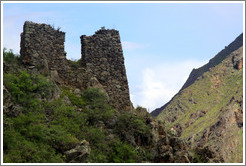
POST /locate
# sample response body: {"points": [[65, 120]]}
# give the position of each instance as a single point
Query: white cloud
{"points": [[129, 46], [160, 83]]}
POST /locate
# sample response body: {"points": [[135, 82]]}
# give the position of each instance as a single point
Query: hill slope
{"points": [[47, 122], [209, 112], [58, 110], [195, 73]]}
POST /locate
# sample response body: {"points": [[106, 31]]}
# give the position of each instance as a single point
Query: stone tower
{"points": [[42, 48], [102, 61], [102, 56]]}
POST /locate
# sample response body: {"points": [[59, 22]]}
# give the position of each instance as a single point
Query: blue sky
{"points": [[162, 42]]}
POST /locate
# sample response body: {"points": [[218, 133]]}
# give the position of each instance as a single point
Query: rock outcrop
{"points": [[9, 108], [79, 154], [167, 147], [101, 65]]}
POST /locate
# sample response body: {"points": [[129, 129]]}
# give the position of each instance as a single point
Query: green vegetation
{"points": [[47, 127], [129, 124], [57, 127], [27, 138], [123, 153], [203, 95], [11, 61], [75, 100], [197, 158], [9, 56], [25, 88], [201, 105], [75, 63]]}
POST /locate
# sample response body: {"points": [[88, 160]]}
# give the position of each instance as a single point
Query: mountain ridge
{"points": [[195, 73], [208, 114]]}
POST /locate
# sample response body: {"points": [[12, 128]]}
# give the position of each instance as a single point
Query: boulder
{"points": [[94, 83], [239, 64], [77, 92], [9, 108], [79, 154], [55, 76]]}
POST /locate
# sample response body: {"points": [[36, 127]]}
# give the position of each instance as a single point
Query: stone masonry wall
{"points": [[102, 63], [102, 56], [42, 48]]}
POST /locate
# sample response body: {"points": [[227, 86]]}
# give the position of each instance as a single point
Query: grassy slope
{"points": [[195, 73], [37, 129], [210, 93], [238, 42]]}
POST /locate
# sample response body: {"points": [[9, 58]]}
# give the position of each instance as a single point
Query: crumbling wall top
{"points": [[29, 25], [107, 31]]}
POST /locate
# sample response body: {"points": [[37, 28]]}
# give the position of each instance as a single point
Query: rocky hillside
{"points": [[61, 111], [195, 73], [208, 112], [44, 122]]}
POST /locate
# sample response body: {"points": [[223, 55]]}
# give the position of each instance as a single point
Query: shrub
{"points": [[132, 125], [25, 151], [97, 107], [104, 149], [25, 88], [74, 63], [101, 146], [124, 153], [25, 140], [61, 114], [142, 112], [60, 139], [9, 56], [98, 115], [95, 98], [76, 100]]}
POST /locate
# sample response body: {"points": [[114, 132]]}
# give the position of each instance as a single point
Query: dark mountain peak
{"points": [[195, 73]]}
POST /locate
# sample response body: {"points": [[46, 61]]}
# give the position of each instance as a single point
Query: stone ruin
{"points": [[42, 47], [101, 64]]}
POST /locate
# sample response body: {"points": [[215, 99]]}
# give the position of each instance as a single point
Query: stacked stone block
{"points": [[102, 56], [42, 48]]}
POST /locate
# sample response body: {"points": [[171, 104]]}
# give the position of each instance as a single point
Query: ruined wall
{"points": [[102, 63], [102, 56], [42, 49]]}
